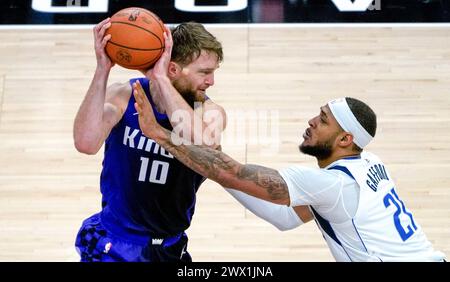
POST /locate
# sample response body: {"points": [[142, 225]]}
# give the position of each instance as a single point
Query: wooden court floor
{"points": [[285, 73]]}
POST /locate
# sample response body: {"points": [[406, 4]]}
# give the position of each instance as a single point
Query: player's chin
{"points": [[302, 144]]}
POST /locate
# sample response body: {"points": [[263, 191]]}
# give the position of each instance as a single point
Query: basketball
{"points": [[137, 39]]}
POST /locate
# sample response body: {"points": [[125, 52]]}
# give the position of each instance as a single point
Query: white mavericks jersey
{"points": [[357, 208]]}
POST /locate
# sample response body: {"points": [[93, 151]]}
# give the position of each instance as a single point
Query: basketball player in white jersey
{"points": [[351, 197]]}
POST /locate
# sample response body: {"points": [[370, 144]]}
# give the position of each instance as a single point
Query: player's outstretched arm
{"points": [[261, 182]]}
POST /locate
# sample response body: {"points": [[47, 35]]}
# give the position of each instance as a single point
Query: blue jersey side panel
{"points": [[145, 188]]}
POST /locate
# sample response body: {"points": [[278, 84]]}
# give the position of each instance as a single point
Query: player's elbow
{"points": [[281, 228], [285, 227], [287, 219], [85, 147]]}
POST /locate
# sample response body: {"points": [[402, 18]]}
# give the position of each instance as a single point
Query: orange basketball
{"points": [[137, 39]]}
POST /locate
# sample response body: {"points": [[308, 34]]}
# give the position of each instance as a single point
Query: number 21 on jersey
{"points": [[400, 213]]}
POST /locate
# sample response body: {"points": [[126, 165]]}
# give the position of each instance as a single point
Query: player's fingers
{"points": [[165, 38], [99, 25], [167, 42], [139, 86], [105, 20], [138, 102], [140, 91], [168, 32], [102, 23], [103, 29], [135, 89], [105, 40], [96, 28], [138, 108], [138, 95], [169, 36]]}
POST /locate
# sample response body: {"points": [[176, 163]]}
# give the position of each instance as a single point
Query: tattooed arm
{"points": [[261, 182]]}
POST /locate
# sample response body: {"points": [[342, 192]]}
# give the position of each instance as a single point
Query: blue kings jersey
{"points": [[145, 189]]}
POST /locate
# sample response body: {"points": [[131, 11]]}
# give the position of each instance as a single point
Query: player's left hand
{"points": [[160, 68]]}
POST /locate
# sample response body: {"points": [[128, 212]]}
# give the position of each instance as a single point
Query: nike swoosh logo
{"points": [[135, 114]]}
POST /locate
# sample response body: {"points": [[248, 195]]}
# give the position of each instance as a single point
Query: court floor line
{"points": [[253, 25]]}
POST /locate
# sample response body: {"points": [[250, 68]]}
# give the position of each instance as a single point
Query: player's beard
{"points": [[189, 95], [321, 150]]}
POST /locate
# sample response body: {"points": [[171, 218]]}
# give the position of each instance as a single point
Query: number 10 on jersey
{"points": [[158, 171]]}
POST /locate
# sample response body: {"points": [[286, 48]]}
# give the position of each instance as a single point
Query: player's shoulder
{"points": [[306, 170], [365, 155], [118, 94], [211, 105], [310, 175], [215, 110], [119, 88]]}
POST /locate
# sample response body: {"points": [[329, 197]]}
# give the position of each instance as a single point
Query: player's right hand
{"points": [[103, 61]]}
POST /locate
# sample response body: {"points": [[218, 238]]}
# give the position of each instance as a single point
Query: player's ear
{"points": [[174, 70], [345, 139]]}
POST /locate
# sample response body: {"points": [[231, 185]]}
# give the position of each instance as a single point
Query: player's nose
{"points": [[311, 122], [209, 80]]}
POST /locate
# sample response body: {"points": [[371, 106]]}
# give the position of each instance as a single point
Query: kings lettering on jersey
{"points": [[131, 137], [375, 175]]}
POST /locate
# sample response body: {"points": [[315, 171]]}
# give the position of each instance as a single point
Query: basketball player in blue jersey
{"points": [[148, 196], [351, 197]]}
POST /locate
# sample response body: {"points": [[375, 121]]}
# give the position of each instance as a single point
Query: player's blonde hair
{"points": [[189, 39]]}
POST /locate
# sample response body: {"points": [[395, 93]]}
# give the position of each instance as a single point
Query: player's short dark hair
{"points": [[365, 116], [189, 39]]}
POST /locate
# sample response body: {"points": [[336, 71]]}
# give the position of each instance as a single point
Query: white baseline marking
{"points": [[254, 25]]}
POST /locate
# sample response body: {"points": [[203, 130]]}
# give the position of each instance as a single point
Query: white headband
{"points": [[344, 116]]}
